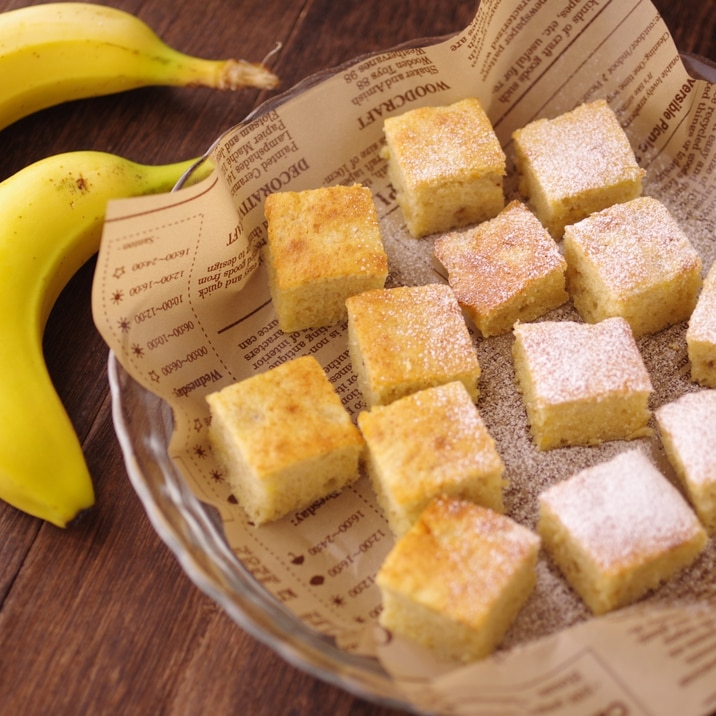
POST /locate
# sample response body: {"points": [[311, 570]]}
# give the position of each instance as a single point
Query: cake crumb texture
{"points": [[323, 245], [575, 164], [618, 529], [447, 166], [582, 384], [284, 439], [701, 334], [456, 580], [632, 260], [432, 442], [687, 427]]}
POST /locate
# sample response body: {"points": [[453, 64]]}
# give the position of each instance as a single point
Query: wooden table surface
{"points": [[100, 618]]}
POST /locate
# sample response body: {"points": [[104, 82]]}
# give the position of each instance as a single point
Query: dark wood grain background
{"points": [[99, 618]]}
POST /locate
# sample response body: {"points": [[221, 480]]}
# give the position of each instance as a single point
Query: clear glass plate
{"points": [[193, 530]]}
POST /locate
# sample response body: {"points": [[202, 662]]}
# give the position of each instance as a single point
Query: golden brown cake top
{"points": [[445, 143], [432, 437], [691, 423], [572, 361], [329, 232], [458, 557], [578, 151], [409, 332], [634, 244], [622, 512], [285, 415], [489, 263]]}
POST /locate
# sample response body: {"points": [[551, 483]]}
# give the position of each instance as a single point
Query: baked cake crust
{"points": [[430, 596], [446, 165], [408, 338], [323, 245], [504, 270], [429, 443], [582, 384], [284, 438], [617, 530], [575, 164], [632, 260]]}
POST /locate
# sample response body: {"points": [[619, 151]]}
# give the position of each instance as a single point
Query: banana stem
{"points": [[219, 74], [239, 73]]}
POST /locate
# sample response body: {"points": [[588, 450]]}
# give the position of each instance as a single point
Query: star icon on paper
{"points": [[197, 425], [118, 272], [154, 376]]}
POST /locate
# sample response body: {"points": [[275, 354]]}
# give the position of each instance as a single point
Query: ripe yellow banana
{"points": [[51, 216], [63, 51]]}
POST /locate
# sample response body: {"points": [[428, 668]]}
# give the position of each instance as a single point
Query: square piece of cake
{"points": [[408, 338], [688, 434], [426, 444], [701, 333], [323, 245], [284, 439], [632, 260], [575, 164], [456, 580], [618, 530], [447, 166], [582, 383], [504, 270]]}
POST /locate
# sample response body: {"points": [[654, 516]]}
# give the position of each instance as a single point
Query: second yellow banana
{"points": [[51, 214]]}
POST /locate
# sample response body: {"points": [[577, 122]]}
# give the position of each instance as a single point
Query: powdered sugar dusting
{"points": [[635, 244], [691, 423], [576, 361], [622, 512], [553, 605], [592, 151]]}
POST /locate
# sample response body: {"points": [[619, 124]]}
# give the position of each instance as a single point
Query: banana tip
{"points": [[239, 73]]}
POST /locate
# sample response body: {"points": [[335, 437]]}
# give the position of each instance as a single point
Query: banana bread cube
{"points": [[426, 444], [323, 245], [575, 164], [688, 433], [632, 260], [447, 166], [407, 338], [284, 439], [701, 334], [456, 580], [618, 530], [504, 270], [582, 383]]}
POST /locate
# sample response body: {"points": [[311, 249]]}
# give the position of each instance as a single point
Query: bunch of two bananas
{"points": [[51, 216]]}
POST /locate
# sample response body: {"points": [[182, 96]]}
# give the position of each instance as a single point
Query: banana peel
{"points": [[57, 52], [52, 215]]}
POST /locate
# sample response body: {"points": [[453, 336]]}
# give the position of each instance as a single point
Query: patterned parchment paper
{"points": [[181, 297]]}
